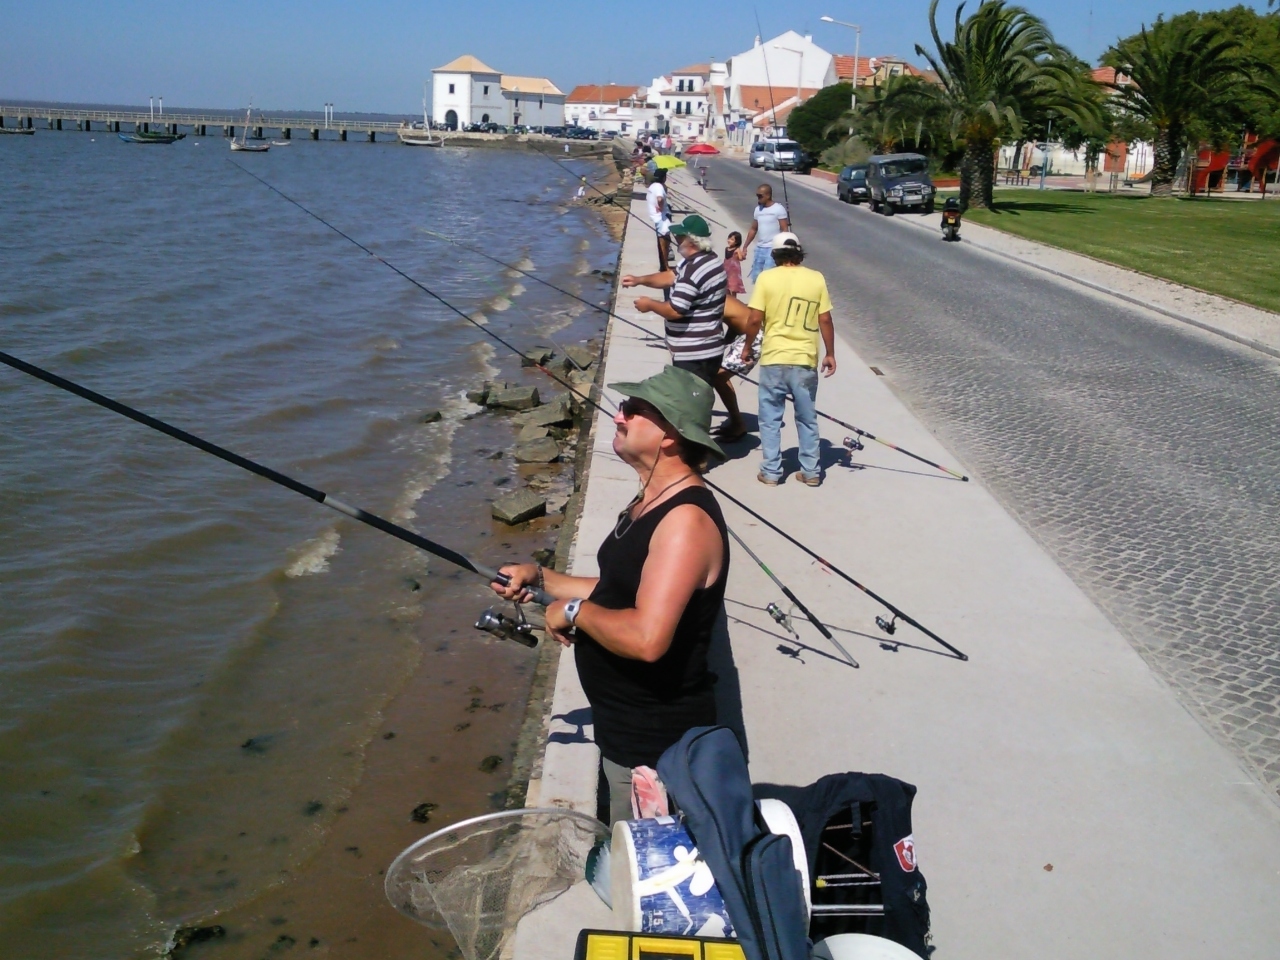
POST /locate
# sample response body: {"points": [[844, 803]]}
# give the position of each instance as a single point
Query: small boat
{"points": [[281, 143], [19, 131], [139, 136], [419, 134], [243, 143]]}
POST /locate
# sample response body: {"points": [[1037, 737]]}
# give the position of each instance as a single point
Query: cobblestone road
{"points": [[1143, 454]]}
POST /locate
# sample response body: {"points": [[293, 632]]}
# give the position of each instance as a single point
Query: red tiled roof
{"points": [[693, 70], [769, 116], [598, 93], [844, 67], [755, 98]]}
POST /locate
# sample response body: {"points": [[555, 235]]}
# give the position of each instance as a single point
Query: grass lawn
{"points": [[1222, 246]]}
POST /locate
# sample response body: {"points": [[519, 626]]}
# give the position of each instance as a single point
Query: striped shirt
{"points": [[699, 295]]}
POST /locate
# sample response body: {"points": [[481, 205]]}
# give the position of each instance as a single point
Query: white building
{"points": [[532, 101], [685, 100], [766, 82], [604, 107], [467, 90]]}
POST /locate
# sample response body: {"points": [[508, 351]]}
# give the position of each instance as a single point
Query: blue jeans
{"points": [[763, 260], [776, 381]]}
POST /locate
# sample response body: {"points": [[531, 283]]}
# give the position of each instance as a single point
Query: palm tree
{"points": [[1002, 65], [902, 111], [1182, 75]]}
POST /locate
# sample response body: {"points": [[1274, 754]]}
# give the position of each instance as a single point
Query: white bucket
{"points": [[661, 884], [860, 946], [779, 818]]}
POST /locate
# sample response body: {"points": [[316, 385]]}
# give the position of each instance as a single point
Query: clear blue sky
{"points": [[375, 55]]}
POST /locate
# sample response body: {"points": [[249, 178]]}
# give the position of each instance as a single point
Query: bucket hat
{"points": [[693, 225], [683, 399]]}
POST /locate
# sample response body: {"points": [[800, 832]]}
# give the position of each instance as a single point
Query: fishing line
{"points": [[764, 58], [546, 283], [887, 625], [244, 463], [648, 333], [421, 286]]}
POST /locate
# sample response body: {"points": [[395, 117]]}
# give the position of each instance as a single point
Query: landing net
{"points": [[478, 877]]}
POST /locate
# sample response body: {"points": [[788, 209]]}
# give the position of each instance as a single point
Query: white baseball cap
{"points": [[784, 240]]}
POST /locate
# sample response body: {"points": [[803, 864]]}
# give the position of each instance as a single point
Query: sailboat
{"points": [[415, 135], [243, 143]]}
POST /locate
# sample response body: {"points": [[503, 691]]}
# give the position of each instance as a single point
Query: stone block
{"points": [[479, 396], [431, 416], [532, 432], [582, 357], [544, 450], [536, 355], [555, 413], [518, 507], [513, 398]]}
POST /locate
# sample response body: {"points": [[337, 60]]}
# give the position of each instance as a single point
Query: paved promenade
{"points": [[1068, 805]]}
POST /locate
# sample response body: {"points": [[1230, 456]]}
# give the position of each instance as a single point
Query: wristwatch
{"points": [[571, 611]]}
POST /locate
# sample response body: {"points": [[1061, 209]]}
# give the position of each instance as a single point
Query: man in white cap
{"points": [[793, 306]]}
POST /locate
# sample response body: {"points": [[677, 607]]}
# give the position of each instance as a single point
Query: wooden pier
{"points": [[198, 124]]}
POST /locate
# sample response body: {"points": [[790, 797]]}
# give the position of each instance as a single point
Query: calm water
{"points": [[192, 659]]}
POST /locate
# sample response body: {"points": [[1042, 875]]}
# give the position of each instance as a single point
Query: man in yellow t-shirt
{"points": [[792, 304]]}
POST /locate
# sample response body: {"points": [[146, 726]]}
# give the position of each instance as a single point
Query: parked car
{"points": [[852, 185], [778, 154], [900, 181]]}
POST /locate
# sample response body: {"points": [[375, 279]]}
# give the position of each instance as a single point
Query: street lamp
{"points": [[799, 80], [857, 46]]}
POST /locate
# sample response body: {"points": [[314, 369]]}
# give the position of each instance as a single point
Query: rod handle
{"points": [[540, 597]]}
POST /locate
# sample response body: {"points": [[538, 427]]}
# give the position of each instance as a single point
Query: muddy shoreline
{"points": [[465, 732]]}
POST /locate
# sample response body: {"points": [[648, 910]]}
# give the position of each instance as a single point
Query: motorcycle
{"points": [[951, 220]]}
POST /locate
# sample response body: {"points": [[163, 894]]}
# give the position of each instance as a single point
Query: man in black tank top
{"points": [[642, 629]]}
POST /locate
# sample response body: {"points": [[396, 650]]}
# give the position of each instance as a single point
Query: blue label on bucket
{"points": [[674, 885]]}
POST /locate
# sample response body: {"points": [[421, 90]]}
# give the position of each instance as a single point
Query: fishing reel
{"points": [[781, 618], [888, 626], [515, 628], [851, 446]]}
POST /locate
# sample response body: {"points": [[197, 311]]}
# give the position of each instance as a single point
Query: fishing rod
{"points": [[773, 109], [888, 626], [485, 620], [853, 445], [777, 614], [631, 323], [297, 486]]}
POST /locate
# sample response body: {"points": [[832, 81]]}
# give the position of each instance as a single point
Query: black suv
{"points": [[852, 185], [899, 181]]}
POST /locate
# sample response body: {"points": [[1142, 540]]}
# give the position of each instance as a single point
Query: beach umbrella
{"points": [[703, 148], [667, 162]]}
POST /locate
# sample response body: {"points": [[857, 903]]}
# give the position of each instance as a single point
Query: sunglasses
{"points": [[631, 407]]}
